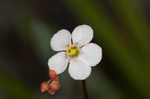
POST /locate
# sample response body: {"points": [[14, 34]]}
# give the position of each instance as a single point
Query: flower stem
{"points": [[85, 93]]}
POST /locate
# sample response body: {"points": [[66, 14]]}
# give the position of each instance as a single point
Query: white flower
{"points": [[75, 50]]}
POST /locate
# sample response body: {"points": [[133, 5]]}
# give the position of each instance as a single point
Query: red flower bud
{"points": [[44, 86], [52, 74], [54, 86], [51, 92]]}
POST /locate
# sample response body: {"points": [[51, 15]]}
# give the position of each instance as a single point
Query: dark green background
{"points": [[121, 28]]}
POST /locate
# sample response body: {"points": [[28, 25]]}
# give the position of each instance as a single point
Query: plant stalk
{"points": [[85, 93]]}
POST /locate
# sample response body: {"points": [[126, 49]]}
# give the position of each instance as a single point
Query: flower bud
{"points": [[44, 86], [54, 86], [51, 92], [52, 74]]}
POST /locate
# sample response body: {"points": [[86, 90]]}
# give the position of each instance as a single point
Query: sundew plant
{"points": [[76, 50]]}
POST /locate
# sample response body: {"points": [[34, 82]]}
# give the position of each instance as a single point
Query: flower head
{"points": [[76, 50]]}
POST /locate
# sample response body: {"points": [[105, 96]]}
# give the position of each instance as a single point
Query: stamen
{"points": [[72, 50]]}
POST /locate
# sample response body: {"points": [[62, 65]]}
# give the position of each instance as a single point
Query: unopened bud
{"points": [[54, 86], [51, 92], [44, 86], [52, 74]]}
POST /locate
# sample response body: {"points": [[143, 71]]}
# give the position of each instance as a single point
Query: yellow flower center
{"points": [[72, 50]]}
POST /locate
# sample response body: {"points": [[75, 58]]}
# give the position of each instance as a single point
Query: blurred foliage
{"points": [[135, 69], [130, 56], [15, 88]]}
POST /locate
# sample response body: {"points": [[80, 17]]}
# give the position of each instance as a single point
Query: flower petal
{"points": [[58, 62], [61, 40], [82, 35], [91, 54], [79, 70]]}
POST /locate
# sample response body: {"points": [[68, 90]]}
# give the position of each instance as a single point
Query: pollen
{"points": [[72, 50]]}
